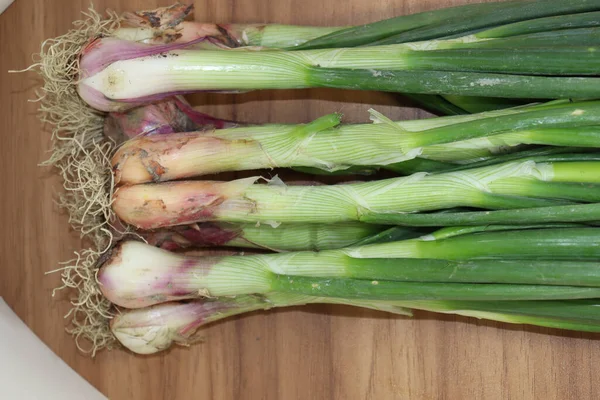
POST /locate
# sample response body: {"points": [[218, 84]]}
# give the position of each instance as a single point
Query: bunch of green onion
{"points": [[491, 215], [537, 271]]}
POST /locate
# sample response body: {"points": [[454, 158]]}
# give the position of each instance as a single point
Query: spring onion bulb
{"points": [[167, 116]]}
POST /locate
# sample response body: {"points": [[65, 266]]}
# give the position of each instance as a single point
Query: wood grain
{"points": [[317, 352]]}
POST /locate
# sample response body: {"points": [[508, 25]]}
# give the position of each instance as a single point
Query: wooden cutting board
{"points": [[317, 352]]}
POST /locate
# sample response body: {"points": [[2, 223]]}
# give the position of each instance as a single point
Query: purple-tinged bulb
{"points": [[101, 53], [171, 115], [138, 275], [153, 119], [200, 120], [152, 206], [95, 99], [154, 329]]}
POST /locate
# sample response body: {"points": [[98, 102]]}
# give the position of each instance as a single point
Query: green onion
{"points": [[172, 27], [513, 185], [154, 329], [515, 72], [322, 145], [168, 25], [536, 264]]}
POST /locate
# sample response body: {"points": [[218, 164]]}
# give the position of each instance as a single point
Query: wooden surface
{"points": [[318, 352]]}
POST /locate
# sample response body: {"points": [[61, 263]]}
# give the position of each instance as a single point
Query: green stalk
{"points": [[583, 311], [586, 34], [398, 233], [531, 244], [527, 34], [296, 237], [548, 115], [577, 192], [449, 21], [455, 105], [578, 315], [488, 149], [541, 154], [571, 273], [457, 83], [568, 213], [451, 231], [398, 291], [559, 22], [394, 234], [556, 61], [560, 38]]}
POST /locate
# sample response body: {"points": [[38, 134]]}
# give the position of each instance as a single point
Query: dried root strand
{"points": [[58, 64], [90, 310], [87, 184], [81, 154], [79, 151]]}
